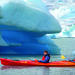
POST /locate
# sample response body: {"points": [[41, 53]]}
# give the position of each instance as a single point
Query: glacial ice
{"points": [[29, 16], [24, 25]]}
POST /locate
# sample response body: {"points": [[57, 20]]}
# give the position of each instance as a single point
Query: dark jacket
{"points": [[46, 60]]}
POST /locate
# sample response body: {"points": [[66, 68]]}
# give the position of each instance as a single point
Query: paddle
{"points": [[63, 57]]}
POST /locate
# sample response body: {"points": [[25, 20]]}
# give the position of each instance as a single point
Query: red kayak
{"points": [[9, 62]]}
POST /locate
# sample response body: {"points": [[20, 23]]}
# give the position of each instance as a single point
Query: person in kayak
{"points": [[45, 58]]}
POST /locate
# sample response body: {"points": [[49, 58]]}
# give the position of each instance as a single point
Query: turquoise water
{"points": [[21, 70]]}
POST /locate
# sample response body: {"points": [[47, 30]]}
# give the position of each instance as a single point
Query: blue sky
{"points": [[64, 12]]}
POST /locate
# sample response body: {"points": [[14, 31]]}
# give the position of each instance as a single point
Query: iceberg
{"points": [[24, 25], [29, 16]]}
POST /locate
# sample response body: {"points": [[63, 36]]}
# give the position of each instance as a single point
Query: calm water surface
{"points": [[21, 70]]}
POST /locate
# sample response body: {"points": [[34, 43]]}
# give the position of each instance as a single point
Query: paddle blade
{"points": [[63, 57]]}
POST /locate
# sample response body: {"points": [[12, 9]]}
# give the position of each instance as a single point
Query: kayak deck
{"points": [[9, 62]]}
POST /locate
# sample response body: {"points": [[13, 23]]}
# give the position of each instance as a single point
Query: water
{"points": [[22, 70]]}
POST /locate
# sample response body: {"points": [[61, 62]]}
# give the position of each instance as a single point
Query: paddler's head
{"points": [[45, 52]]}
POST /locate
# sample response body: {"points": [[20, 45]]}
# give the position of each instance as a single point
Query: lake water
{"points": [[21, 70]]}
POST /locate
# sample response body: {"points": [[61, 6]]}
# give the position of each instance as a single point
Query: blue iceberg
{"points": [[23, 28]]}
